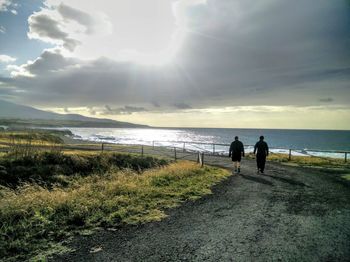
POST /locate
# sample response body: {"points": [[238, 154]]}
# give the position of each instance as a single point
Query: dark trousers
{"points": [[260, 161]]}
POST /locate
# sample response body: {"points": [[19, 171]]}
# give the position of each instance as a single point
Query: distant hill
{"points": [[14, 114]]}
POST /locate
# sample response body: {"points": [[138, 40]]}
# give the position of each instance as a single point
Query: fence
{"points": [[220, 149], [194, 151]]}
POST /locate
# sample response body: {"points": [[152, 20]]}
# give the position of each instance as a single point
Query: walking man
{"points": [[236, 152], [261, 150]]}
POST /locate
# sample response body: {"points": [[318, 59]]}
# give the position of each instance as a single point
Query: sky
{"points": [[181, 63]]}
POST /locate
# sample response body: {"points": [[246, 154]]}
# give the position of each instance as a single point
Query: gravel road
{"points": [[287, 214]]}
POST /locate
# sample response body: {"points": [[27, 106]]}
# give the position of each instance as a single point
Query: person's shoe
{"points": [[238, 170], [262, 172], [258, 171]]}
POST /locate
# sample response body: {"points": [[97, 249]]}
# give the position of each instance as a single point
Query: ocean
{"points": [[302, 142]]}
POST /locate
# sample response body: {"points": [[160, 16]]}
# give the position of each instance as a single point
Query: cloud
{"points": [[64, 26], [81, 17], [126, 110], [327, 100], [4, 5], [155, 104], [44, 27], [234, 53], [182, 105], [50, 61], [8, 6], [7, 59]]}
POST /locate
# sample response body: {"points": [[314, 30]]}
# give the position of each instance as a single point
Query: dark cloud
{"points": [[6, 80], [49, 61], [81, 17], [43, 26], [155, 104], [126, 110], [327, 100], [182, 106]]}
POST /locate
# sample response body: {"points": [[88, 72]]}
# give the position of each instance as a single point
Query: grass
{"points": [[34, 137], [346, 177], [34, 219], [307, 161]]}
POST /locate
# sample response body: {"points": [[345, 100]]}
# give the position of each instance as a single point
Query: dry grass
{"points": [[33, 218], [309, 161], [35, 137]]}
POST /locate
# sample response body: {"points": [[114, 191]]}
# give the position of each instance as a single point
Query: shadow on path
{"points": [[287, 180], [257, 179]]}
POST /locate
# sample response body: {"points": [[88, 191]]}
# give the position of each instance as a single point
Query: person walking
{"points": [[261, 150], [236, 152]]}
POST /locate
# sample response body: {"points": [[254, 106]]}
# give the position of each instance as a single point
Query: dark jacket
{"points": [[261, 148], [236, 148]]}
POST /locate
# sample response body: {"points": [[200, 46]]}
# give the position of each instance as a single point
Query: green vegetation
{"points": [[66, 194], [35, 137], [50, 168], [347, 177]]}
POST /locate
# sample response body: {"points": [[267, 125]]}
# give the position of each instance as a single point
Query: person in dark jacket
{"points": [[236, 152], [261, 150]]}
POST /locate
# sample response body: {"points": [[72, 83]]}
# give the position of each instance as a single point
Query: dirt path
{"points": [[288, 214]]}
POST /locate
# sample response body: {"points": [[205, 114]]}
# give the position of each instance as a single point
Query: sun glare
{"points": [[149, 35], [159, 58]]}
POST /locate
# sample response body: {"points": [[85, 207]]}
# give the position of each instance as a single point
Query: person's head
{"points": [[236, 138], [261, 138]]}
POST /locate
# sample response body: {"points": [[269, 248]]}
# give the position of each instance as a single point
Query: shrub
{"points": [[48, 168]]}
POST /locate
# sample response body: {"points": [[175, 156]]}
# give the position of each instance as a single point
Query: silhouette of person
{"points": [[236, 152], [261, 150]]}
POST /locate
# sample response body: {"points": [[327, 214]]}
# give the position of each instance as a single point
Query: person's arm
{"points": [[230, 150], [267, 149], [256, 145], [242, 150]]}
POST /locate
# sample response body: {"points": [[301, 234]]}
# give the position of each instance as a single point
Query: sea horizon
{"points": [[280, 140]]}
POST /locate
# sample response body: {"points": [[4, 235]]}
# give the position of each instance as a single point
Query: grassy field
{"points": [[40, 213]]}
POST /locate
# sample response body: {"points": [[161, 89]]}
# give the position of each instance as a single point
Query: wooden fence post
{"points": [[142, 150], [202, 164], [175, 157], [290, 155], [102, 147], [346, 157], [198, 157], [213, 149]]}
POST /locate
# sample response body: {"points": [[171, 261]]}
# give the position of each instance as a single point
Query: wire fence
{"points": [[220, 149], [194, 151]]}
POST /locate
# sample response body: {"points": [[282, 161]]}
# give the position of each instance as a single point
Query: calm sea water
{"points": [[300, 140]]}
